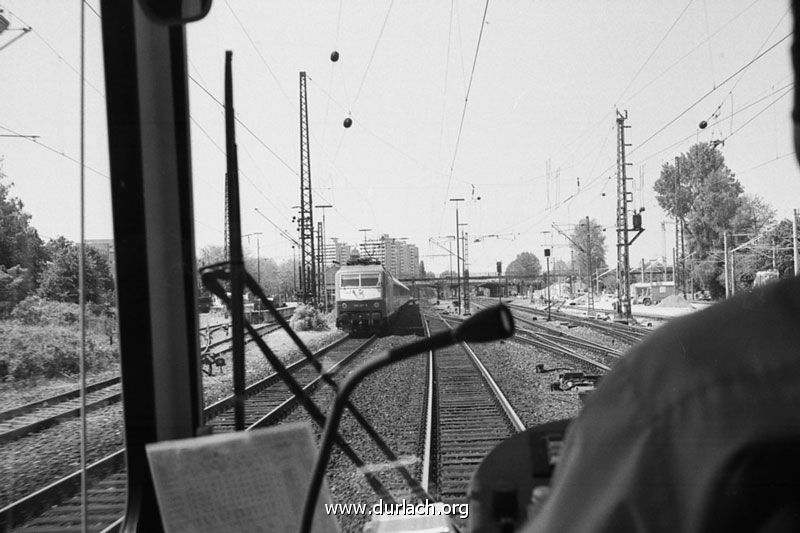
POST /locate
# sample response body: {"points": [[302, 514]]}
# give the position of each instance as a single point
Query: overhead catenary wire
{"points": [[611, 112], [247, 128], [466, 96], [258, 52], [687, 54], [56, 151], [788, 87], [446, 76], [372, 55], [464, 109], [730, 92], [751, 119], [39, 36], [282, 232], [653, 52], [590, 183], [704, 96], [708, 40]]}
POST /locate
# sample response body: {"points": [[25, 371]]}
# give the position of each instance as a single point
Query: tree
{"points": [[20, 244], [15, 285], [753, 216], [211, 254], [526, 264], [422, 269], [269, 273], [781, 236], [590, 238], [59, 279], [702, 192]]}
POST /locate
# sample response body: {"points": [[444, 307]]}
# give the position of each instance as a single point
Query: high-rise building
{"points": [[338, 253], [399, 258], [105, 247]]}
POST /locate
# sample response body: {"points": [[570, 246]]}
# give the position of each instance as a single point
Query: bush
{"points": [[308, 318], [31, 351], [36, 311]]}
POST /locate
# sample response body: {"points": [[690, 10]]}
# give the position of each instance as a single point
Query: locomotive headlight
{"points": [[376, 305], [344, 305]]}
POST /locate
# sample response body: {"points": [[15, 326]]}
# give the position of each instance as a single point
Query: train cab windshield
{"points": [[370, 280], [350, 280]]}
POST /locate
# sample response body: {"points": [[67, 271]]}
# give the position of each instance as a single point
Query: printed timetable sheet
{"points": [[243, 481]]}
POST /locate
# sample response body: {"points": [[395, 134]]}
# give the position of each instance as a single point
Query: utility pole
{"points": [[450, 273], [466, 274], [458, 256], [547, 281], [308, 268], [294, 272], [320, 269], [590, 292], [258, 253], [571, 254], [499, 281], [679, 221], [365, 231]]}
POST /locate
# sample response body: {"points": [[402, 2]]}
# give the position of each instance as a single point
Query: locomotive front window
{"points": [[350, 281], [370, 280]]}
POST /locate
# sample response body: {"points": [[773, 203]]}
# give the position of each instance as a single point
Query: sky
{"points": [[471, 99]]}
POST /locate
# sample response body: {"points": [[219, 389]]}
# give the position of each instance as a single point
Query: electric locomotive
{"points": [[367, 296]]}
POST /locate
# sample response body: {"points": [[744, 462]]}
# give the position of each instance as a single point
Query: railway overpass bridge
{"points": [[446, 287]]}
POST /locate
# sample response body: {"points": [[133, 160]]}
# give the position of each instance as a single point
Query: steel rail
{"points": [[428, 442], [472, 418], [39, 415], [622, 331], [505, 405], [563, 337], [36, 503], [558, 350]]}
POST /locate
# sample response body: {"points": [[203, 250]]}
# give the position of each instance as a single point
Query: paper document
{"points": [[243, 481]]}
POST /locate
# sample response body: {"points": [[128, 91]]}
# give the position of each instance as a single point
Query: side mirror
{"points": [[173, 12]]}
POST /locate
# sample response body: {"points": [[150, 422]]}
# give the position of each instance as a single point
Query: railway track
{"points": [[624, 332], [556, 344], [42, 414], [560, 337], [471, 416], [55, 510]]}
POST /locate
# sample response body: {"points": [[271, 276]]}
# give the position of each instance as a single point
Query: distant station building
{"points": [[398, 257]]}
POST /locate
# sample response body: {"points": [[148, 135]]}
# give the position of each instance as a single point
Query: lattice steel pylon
{"points": [[623, 251], [308, 266]]}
